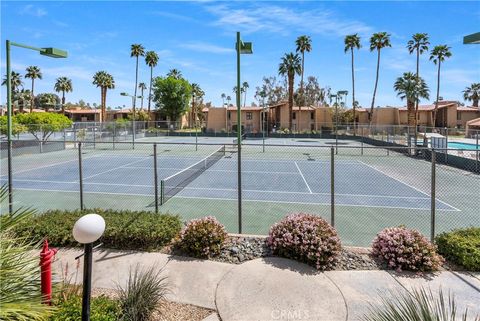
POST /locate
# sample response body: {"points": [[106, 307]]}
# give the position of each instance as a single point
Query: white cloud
{"points": [[206, 47], [172, 15], [32, 10], [275, 19]]}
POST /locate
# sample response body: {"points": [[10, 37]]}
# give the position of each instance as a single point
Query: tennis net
{"points": [[172, 185]]}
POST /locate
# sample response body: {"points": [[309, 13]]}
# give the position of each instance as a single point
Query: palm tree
{"points": [[63, 85], [15, 81], [142, 87], [105, 81], [151, 58], [418, 44], [437, 55], [197, 92], [472, 93], [245, 86], [353, 42], [175, 73], [33, 72], [136, 50], [223, 99], [228, 100], [412, 88], [304, 43], [378, 41], [289, 66], [21, 97]]}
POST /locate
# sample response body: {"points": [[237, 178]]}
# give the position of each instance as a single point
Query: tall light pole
{"points": [[242, 48], [134, 113], [49, 52]]}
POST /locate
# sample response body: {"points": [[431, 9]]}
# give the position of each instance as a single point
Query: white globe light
{"points": [[88, 228]]}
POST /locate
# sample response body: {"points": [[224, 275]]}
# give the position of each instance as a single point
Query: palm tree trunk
{"points": [[136, 82], [475, 103], [411, 112], [33, 97], [353, 95], [141, 103], [290, 101], [416, 100], [370, 115], [245, 98], [63, 101], [438, 95], [302, 102], [150, 89]]}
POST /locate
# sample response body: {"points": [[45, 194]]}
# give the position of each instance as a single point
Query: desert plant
{"points": [[404, 249], [143, 293], [20, 297], [461, 246], [307, 238], [420, 305], [202, 237]]}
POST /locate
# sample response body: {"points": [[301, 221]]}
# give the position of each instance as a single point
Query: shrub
{"points": [[124, 229], [202, 237], [461, 246], [421, 304], [144, 290], [307, 238], [404, 249], [101, 309]]}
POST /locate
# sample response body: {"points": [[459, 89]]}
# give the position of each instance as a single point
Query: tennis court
{"points": [[301, 181]]}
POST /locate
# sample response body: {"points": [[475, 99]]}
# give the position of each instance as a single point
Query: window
{"points": [[249, 115], [294, 116], [229, 115], [459, 116], [312, 115]]}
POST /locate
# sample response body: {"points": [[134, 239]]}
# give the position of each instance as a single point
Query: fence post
{"points": [[114, 134], [80, 173], [432, 196], [363, 134], [332, 187], [388, 142], [64, 139], [133, 134], [155, 176], [446, 145], [478, 160]]}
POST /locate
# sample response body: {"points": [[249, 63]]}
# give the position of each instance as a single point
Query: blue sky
{"points": [[198, 38]]}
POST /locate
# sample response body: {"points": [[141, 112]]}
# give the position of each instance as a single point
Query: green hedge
{"points": [[462, 247], [101, 309], [124, 229]]}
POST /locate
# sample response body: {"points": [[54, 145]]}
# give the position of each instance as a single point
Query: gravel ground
{"points": [[167, 310]]}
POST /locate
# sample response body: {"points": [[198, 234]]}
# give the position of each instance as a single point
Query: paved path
{"points": [[272, 288]]}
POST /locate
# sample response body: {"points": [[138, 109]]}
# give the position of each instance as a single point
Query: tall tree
{"points": [[21, 97], [197, 94], [438, 55], [275, 92], [223, 99], [378, 41], [142, 88], [172, 96], [175, 73], [229, 99], [105, 81], [33, 72], [136, 50], [151, 59], [245, 86], [289, 66], [304, 44], [15, 81], [353, 42], [63, 84], [418, 45], [412, 88], [472, 93]]}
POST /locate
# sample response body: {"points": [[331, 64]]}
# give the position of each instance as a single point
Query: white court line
{"points": [[113, 169], [398, 180], [234, 199], [214, 170], [303, 177]]}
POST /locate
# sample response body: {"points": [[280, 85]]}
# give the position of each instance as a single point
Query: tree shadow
{"points": [[291, 265]]}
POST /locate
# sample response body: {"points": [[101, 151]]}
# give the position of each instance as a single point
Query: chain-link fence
{"points": [[359, 188]]}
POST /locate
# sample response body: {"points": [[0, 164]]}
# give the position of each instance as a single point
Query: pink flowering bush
{"points": [[202, 237], [306, 238], [403, 249]]}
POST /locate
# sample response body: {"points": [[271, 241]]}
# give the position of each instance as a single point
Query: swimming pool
{"points": [[457, 145]]}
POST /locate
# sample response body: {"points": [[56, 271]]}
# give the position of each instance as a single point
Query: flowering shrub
{"points": [[404, 249], [202, 237], [306, 238]]}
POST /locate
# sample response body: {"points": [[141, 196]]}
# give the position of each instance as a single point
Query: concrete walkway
{"points": [[271, 288]]}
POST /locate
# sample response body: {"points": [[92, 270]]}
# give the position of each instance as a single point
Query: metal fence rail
{"points": [[359, 189]]}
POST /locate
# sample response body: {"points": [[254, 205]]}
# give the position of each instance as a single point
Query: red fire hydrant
{"points": [[46, 257]]}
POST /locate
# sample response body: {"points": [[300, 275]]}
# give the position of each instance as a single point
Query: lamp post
{"points": [[134, 113], [87, 230], [241, 48], [50, 52]]}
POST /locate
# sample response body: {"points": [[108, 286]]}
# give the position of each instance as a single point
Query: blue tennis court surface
{"points": [[276, 181]]}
